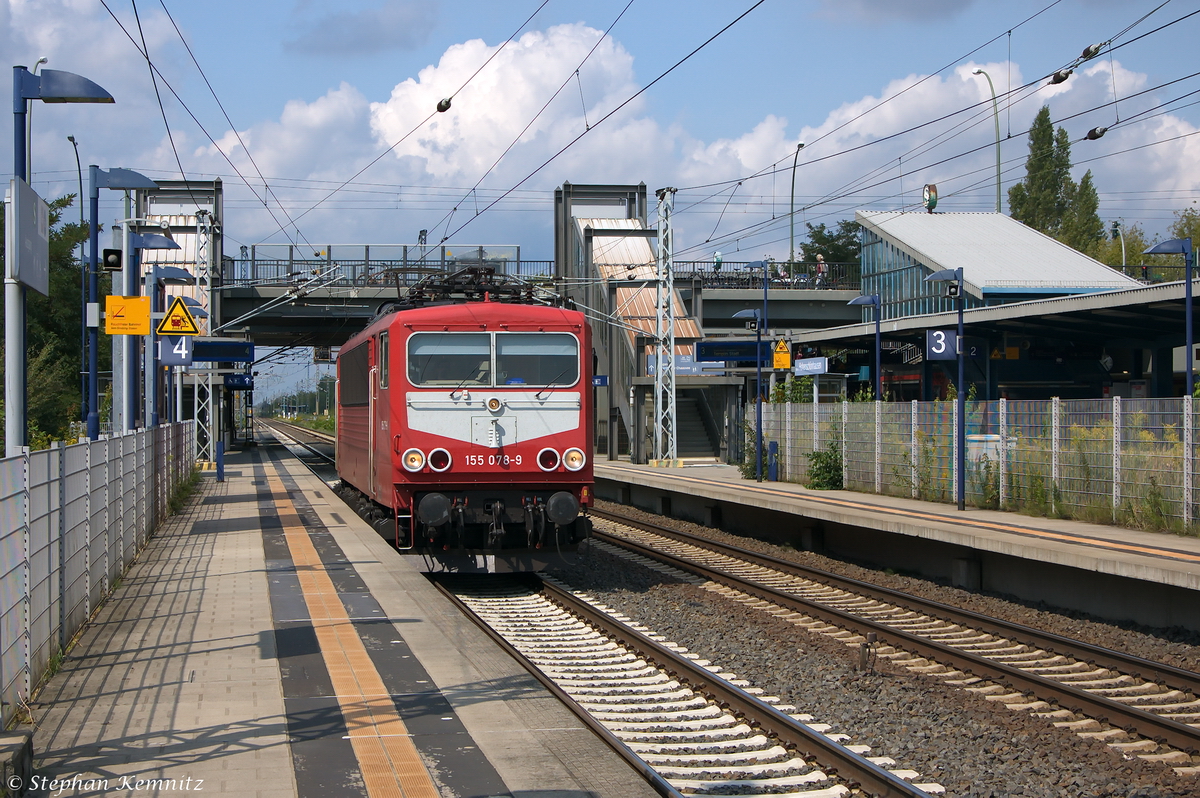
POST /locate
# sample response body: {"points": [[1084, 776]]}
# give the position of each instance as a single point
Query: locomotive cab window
{"points": [[537, 359], [453, 359]]}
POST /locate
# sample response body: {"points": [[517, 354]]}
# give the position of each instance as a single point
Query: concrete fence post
{"points": [[878, 446], [1188, 433], [914, 449], [26, 577], [1116, 456], [1055, 445], [1003, 453]]}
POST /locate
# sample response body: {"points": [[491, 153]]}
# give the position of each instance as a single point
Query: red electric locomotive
{"points": [[464, 423]]}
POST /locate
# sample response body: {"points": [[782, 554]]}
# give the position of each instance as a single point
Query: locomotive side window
{"points": [[383, 360], [536, 359], [453, 359], [354, 373]]}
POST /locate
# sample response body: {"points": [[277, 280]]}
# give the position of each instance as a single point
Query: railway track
{"points": [[688, 725], [1138, 707]]}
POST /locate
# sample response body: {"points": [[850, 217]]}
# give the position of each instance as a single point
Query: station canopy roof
{"points": [[997, 253]]}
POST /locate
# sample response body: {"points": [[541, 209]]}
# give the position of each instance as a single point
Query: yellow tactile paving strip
{"points": [[390, 763]]}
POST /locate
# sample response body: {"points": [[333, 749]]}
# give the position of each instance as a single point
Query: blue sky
{"points": [[318, 90]]}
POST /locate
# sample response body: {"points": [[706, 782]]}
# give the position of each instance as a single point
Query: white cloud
{"points": [[493, 109]]}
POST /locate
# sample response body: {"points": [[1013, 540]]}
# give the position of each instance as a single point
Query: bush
{"points": [[825, 467]]}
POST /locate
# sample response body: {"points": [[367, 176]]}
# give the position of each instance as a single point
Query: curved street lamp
{"points": [[996, 114], [792, 215], [52, 86]]}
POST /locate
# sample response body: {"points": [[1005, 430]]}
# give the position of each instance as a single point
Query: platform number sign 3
{"points": [[941, 345]]}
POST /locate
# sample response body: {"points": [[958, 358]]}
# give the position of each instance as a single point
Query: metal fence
{"points": [[73, 519], [1125, 461]]}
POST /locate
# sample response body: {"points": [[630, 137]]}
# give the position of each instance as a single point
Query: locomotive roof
{"points": [[460, 315]]}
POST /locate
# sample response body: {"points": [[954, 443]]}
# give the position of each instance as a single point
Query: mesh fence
{"points": [[74, 516], [1125, 461]]}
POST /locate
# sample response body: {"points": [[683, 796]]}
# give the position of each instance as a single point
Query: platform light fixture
{"points": [[873, 300], [1182, 246]]}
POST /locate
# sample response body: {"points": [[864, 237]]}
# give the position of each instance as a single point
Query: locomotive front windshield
{"points": [[492, 359]]}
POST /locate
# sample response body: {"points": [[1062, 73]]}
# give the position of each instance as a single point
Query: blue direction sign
{"points": [[941, 345], [710, 351], [223, 351], [239, 382], [599, 380]]}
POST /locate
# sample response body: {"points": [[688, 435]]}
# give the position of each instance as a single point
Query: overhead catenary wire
{"points": [[614, 111], [154, 68], [431, 115]]}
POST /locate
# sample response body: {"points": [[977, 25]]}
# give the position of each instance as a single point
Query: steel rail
{"points": [[652, 777], [835, 759], [323, 437], [1158, 672], [1146, 724]]}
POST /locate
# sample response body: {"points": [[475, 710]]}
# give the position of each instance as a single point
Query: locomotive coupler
{"points": [[496, 530]]}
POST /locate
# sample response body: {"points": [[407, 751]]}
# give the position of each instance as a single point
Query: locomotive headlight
{"points": [[493, 404], [439, 460], [413, 460], [574, 459], [547, 459]]}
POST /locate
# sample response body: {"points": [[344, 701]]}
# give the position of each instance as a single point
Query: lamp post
{"points": [[996, 114], [753, 313], [873, 299], [52, 86], [792, 215], [83, 272], [955, 289], [1182, 246], [117, 179]]}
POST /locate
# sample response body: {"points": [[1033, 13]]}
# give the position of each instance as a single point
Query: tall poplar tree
{"points": [[1048, 199]]}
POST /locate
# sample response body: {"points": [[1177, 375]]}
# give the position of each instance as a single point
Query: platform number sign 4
{"points": [[175, 350], [941, 345]]}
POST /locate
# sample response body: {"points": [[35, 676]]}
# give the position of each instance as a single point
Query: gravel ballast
{"points": [[954, 737]]}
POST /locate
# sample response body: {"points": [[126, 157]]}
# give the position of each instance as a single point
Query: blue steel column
{"points": [[1188, 263], [93, 416], [962, 402], [16, 433]]}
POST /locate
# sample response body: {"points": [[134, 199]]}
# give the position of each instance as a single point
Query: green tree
{"points": [[1108, 249], [52, 333], [1081, 225], [1186, 225], [837, 246], [1048, 199]]}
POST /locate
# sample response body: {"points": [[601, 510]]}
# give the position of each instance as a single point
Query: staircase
{"points": [[691, 436]]}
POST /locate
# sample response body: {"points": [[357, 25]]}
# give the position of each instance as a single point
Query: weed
{"points": [[825, 466]]}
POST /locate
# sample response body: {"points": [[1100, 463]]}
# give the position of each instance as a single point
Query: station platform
{"points": [[267, 642], [1122, 574]]}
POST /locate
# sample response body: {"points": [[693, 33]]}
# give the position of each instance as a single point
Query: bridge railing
{"points": [[267, 265], [74, 518], [281, 266]]}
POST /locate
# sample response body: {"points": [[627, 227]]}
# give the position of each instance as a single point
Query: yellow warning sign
{"points": [[127, 315], [783, 355], [178, 320]]}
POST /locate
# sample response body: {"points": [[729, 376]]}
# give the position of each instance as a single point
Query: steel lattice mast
{"points": [[664, 333]]}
